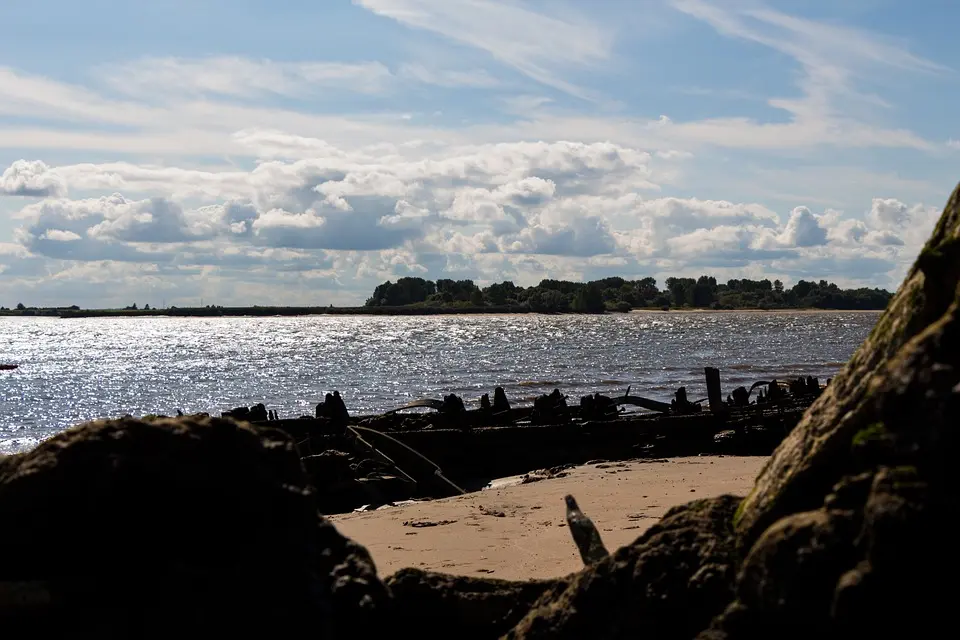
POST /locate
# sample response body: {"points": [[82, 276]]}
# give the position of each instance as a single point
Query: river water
{"points": [[76, 370]]}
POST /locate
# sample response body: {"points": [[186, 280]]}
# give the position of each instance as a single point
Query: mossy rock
{"points": [[813, 456]]}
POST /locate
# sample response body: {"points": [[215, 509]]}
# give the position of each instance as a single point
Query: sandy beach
{"points": [[519, 532]]}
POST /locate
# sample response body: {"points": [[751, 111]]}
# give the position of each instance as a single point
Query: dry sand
{"points": [[519, 532]]}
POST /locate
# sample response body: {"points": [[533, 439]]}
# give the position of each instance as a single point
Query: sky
{"points": [[246, 152]]}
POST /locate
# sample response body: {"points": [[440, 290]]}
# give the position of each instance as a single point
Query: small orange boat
{"points": [[8, 367]]}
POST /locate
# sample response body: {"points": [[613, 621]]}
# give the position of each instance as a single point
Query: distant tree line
{"points": [[23, 310], [417, 296], [618, 294]]}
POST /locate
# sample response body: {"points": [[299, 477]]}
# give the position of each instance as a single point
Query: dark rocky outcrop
{"points": [[667, 584], [436, 605], [149, 528], [813, 457], [873, 559]]}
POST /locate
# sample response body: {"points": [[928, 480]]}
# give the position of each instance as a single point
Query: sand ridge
{"points": [[519, 532]]}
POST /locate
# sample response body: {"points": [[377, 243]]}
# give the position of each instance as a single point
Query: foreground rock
{"points": [[436, 605], [874, 558], [816, 454], [129, 528], [668, 584]]}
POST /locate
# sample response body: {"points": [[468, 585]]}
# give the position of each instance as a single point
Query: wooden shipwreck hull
{"points": [[517, 448], [370, 460]]}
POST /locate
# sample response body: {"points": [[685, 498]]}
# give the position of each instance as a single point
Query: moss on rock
{"points": [[810, 460], [872, 432]]}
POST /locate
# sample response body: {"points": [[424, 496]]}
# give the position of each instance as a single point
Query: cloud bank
{"points": [[486, 151], [508, 211]]}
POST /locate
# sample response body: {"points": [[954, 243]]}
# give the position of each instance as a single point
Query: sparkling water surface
{"points": [[79, 369]]}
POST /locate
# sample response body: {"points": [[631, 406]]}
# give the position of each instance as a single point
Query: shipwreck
{"points": [[435, 448]]}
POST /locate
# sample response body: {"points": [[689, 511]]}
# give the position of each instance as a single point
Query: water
{"points": [[76, 370]]}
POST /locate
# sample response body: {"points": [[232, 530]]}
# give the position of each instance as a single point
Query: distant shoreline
{"points": [[216, 312], [793, 311]]}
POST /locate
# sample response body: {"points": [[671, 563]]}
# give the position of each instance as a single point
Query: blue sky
{"points": [[249, 152]]}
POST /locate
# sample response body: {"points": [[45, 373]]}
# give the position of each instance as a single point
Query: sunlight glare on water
{"points": [[76, 370]]}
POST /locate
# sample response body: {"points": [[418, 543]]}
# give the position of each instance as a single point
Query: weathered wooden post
{"points": [[714, 393]]}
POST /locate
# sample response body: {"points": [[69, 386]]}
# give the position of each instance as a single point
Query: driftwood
{"points": [[645, 403], [585, 533], [428, 403]]}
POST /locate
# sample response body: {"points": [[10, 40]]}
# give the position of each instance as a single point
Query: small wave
{"points": [[540, 383], [800, 366], [10, 446]]}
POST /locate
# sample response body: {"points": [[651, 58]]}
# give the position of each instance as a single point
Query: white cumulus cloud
{"points": [[31, 178]]}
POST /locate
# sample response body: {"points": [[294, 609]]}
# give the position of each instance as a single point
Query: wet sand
{"points": [[519, 532]]}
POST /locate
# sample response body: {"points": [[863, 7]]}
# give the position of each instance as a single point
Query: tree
{"points": [[617, 293], [704, 291], [647, 289], [547, 300], [20, 306], [589, 299], [476, 298], [404, 291], [460, 290], [681, 289], [498, 293], [802, 289]]}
